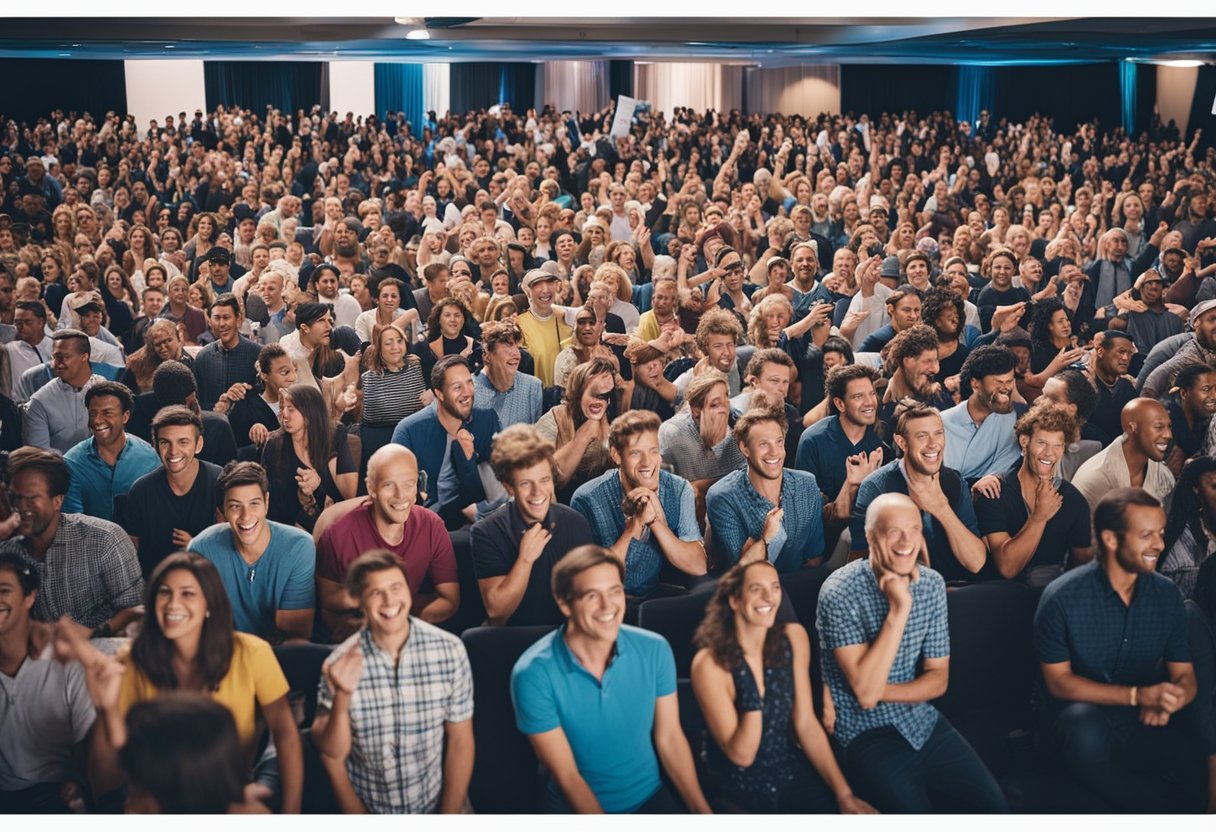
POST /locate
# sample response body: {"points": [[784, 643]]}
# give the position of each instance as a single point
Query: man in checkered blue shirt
{"points": [[886, 655], [396, 703]]}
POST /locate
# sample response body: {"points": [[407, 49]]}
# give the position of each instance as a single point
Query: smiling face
{"points": [[107, 421], [597, 604], [1152, 433], [1142, 541], [1200, 399], [860, 402], [245, 512], [897, 538], [456, 396], [720, 351], [181, 608], [15, 605], [393, 488], [759, 596], [532, 489], [1042, 452], [639, 460], [923, 444], [177, 446], [765, 450], [386, 602]]}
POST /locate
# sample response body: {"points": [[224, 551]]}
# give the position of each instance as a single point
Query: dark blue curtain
{"points": [[517, 85], [894, 89], [1202, 105], [399, 89], [1069, 94], [976, 92], [475, 86], [285, 85], [35, 86], [620, 79]]}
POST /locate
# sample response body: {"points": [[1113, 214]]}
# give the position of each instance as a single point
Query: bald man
{"points": [[1136, 459], [388, 518]]}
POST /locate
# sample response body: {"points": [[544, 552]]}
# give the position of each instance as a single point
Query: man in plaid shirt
{"points": [[391, 697]]}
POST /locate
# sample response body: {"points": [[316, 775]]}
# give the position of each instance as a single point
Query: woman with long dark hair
{"points": [[187, 643], [767, 751], [308, 459], [1191, 527], [578, 427]]}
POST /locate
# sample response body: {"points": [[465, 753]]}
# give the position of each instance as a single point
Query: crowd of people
{"points": [[274, 379]]}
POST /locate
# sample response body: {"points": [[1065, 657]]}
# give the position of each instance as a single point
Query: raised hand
{"points": [[345, 672], [859, 466]]}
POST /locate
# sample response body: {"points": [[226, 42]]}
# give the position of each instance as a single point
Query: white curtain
{"points": [[699, 86], [806, 90], [436, 88], [581, 86]]}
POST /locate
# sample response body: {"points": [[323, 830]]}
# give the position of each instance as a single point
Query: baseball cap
{"points": [[217, 254], [1202, 308]]}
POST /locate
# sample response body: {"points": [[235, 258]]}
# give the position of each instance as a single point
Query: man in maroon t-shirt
{"points": [[387, 519]]}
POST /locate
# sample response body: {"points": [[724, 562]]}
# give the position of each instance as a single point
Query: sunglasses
{"points": [[733, 268], [585, 322], [606, 398]]}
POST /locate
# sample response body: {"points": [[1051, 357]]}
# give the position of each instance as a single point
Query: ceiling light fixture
{"points": [[417, 31], [1181, 64]]}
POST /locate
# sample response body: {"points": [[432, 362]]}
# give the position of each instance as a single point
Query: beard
{"points": [[347, 250]]}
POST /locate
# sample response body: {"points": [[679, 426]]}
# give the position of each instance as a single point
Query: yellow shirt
{"points": [[253, 675], [648, 326], [544, 340]]}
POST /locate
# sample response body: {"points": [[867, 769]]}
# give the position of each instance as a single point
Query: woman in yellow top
{"points": [[187, 643]]}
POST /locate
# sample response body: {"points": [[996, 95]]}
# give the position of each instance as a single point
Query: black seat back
{"points": [[992, 663], [505, 767], [676, 619]]}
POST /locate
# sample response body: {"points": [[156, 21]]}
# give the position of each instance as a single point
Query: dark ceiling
{"points": [[767, 42]]}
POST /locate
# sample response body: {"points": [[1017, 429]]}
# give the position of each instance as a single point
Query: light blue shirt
{"points": [[56, 417], [95, 484], [282, 578], [978, 450]]}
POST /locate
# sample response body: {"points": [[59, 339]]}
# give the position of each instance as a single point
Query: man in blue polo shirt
{"points": [[267, 567], [1111, 638], [951, 530], [597, 700]]}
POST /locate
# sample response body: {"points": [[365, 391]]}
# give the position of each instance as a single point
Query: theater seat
{"points": [[301, 664], [992, 666], [505, 767], [676, 619]]}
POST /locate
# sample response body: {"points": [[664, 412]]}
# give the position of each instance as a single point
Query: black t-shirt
{"points": [[152, 511], [990, 298], [1106, 416], [495, 544], [952, 364], [1067, 529]]}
